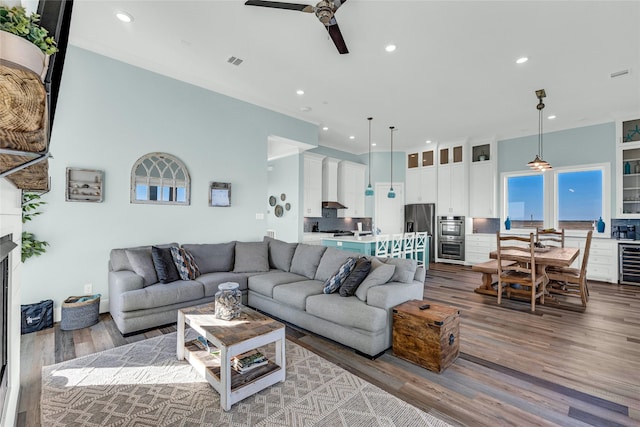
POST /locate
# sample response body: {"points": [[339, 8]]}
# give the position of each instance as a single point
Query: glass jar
{"points": [[228, 300]]}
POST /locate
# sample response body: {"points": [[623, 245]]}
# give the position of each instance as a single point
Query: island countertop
{"points": [[363, 239]]}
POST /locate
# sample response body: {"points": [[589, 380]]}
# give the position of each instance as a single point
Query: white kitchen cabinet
{"points": [[483, 181], [627, 169], [478, 247], [452, 181], [420, 178], [603, 258], [312, 185], [351, 187]]}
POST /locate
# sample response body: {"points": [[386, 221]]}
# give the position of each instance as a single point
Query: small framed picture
{"points": [[220, 194]]}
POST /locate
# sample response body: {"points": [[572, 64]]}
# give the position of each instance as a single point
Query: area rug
{"points": [[143, 384]]}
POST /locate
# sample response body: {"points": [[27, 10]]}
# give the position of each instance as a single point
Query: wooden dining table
{"points": [[544, 257]]}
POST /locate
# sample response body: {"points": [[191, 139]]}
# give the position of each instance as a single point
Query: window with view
{"points": [[579, 199], [525, 200]]}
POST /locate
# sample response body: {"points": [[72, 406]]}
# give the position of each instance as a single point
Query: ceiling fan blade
{"points": [[280, 5], [339, 3], [336, 36]]}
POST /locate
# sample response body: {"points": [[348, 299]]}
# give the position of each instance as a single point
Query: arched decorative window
{"points": [[160, 178]]}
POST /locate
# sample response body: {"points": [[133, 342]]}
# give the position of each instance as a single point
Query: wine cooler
{"points": [[629, 268]]}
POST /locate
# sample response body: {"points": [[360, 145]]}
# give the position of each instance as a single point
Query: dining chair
{"points": [[408, 245], [572, 281], [420, 248], [550, 237], [382, 245], [396, 241], [522, 273]]}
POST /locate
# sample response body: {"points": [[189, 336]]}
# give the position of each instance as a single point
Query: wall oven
{"points": [[451, 237]]}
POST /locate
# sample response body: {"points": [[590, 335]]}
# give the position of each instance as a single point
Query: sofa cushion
{"points": [[280, 253], [142, 264], [306, 259], [251, 257], [405, 269], [212, 257], [348, 312], [359, 273], [165, 267], [187, 267], [333, 283], [263, 284], [118, 259], [331, 261], [296, 294], [210, 281], [380, 274], [160, 295]]}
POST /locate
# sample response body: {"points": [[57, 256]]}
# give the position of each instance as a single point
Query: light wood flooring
{"points": [[552, 367]]}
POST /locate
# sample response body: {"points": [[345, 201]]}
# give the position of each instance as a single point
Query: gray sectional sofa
{"points": [[285, 280]]}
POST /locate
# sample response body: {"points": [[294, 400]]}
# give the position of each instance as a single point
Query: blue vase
{"points": [[507, 224], [627, 168], [600, 225]]}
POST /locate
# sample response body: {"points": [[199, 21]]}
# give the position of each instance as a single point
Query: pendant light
{"points": [[391, 194], [369, 190], [539, 164]]}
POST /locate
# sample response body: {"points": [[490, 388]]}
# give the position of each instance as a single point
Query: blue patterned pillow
{"points": [[187, 268], [334, 282]]}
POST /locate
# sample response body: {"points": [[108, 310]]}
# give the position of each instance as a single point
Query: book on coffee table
{"points": [[249, 360]]}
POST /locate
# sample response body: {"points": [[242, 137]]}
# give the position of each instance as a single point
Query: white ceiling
{"points": [[453, 76]]}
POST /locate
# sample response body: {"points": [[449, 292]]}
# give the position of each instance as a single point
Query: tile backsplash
{"points": [[330, 221]]}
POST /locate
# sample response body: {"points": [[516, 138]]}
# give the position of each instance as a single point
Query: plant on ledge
{"points": [[15, 21], [30, 245]]}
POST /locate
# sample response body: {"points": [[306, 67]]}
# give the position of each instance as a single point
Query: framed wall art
{"points": [[220, 194]]}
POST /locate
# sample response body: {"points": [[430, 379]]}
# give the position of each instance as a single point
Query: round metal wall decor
{"points": [[279, 211], [283, 197], [287, 206], [272, 201]]}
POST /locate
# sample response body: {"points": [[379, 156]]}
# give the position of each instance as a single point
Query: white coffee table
{"points": [[232, 337]]}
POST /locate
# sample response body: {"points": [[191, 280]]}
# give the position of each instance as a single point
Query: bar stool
{"points": [[382, 245], [408, 250], [396, 245], [420, 248]]}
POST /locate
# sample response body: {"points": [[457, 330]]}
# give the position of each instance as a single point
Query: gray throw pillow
{"points": [[331, 261], [280, 253], [142, 264], [212, 257], [357, 276], [380, 274], [306, 259], [405, 269], [251, 257]]}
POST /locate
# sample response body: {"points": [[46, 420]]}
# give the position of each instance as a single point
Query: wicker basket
{"points": [[78, 315]]}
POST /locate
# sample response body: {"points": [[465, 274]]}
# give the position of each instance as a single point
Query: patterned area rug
{"points": [[143, 384]]}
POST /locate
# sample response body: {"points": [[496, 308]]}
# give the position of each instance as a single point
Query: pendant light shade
{"points": [[391, 194], [539, 164], [369, 190]]}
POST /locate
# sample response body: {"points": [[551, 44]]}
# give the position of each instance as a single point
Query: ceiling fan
{"points": [[324, 10]]}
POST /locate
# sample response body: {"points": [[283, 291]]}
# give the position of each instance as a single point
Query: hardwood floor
{"points": [[552, 367]]}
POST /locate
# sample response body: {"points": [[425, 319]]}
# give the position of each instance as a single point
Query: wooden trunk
{"points": [[429, 338]]}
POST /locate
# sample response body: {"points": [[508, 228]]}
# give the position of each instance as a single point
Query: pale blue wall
{"points": [[578, 146], [108, 115], [283, 178]]}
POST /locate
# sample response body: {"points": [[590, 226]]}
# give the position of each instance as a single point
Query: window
{"points": [[571, 198], [160, 178]]}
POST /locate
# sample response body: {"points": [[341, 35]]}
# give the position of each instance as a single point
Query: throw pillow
{"points": [[359, 273], [333, 283], [187, 267], [405, 269], [280, 253], [251, 257], [331, 261], [142, 264], [306, 259], [165, 267], [380, 274]]}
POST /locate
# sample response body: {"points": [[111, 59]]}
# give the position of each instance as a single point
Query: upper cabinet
{"points": [[351, 188], [483, 181], [627, 168], [421, 176], [312, 185], [452, 180]]}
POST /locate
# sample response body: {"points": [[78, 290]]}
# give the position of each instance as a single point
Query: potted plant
{"points": [[30, 245], [24, 41]]}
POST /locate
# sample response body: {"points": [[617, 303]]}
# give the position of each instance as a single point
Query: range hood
{"points": [[330, 184]]}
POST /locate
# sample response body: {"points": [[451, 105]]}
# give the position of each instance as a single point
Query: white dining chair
{"points": [[396, 245], [382, 245], [420, 248], [408, 245]]}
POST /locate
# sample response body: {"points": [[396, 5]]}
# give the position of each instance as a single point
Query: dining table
{"points": [[544, 257]]}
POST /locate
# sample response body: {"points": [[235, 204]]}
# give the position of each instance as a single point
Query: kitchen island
{"points": [[365, 245]]}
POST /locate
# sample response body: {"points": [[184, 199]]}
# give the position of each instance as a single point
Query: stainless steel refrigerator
{"points": [[422, 217]]}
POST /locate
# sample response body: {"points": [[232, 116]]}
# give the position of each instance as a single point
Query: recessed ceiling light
{"points": [[522, 60], [373, 144], [300, 92], [352, 137], [325, 128], [124, 16], [551, 117], [390, 47], [428, 141]]}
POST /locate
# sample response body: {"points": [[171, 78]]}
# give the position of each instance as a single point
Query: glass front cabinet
{"points": [[628, 168]]}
